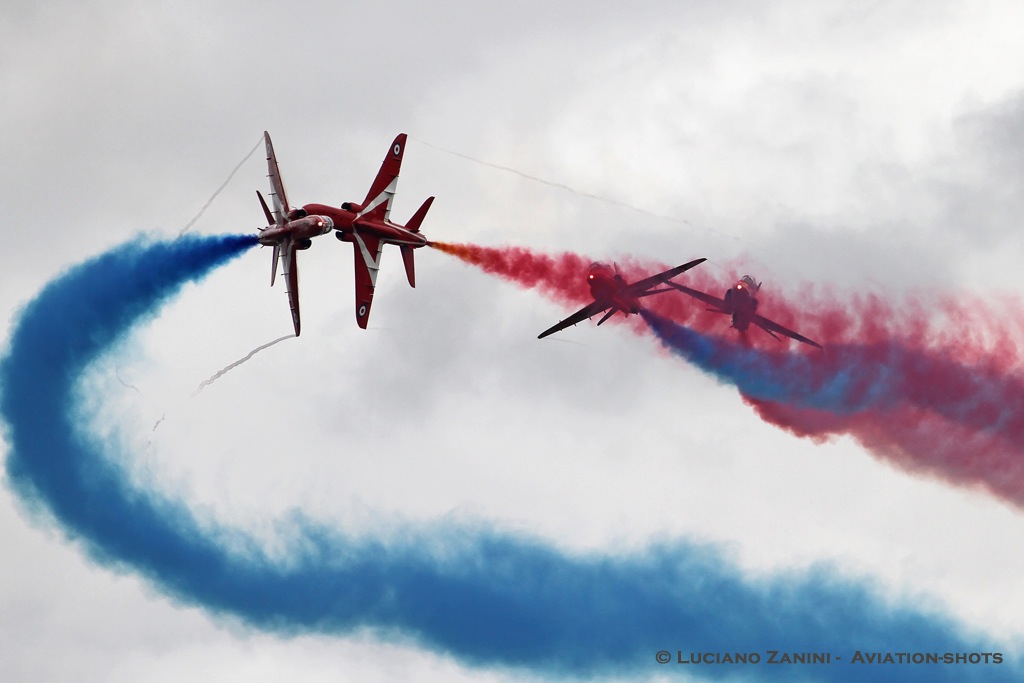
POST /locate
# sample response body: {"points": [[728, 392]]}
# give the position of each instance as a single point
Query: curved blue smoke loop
{"points": [[485, 597]]}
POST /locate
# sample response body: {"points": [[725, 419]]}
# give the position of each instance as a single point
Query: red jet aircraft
{"points": [[741, 303], [289, 230], [366, 225], [612, 293]]}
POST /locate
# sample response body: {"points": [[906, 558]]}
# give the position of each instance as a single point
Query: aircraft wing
{"points": [[378, 199], [641, 286], [579, 316], [291, 278], [277, 193], [771, 326], [368, 250], [701, 296]]}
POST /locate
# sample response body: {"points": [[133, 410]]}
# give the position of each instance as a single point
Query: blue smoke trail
{"points": [[486, 597], [806, 380], [846, 379]]}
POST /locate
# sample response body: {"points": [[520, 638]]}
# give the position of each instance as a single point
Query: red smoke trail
{"points": [[917, 442], [561, 277], [956, 410], [970, 331], [819, 313], [923, 400]]}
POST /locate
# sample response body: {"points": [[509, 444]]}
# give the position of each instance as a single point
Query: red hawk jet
{"points": [[741, 303], [366, 225], [612, 293], [289, 230]]}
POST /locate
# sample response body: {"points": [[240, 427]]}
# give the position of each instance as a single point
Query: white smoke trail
{"points": [[581, 193], [220, 373], [127, 385], [221, 188]]}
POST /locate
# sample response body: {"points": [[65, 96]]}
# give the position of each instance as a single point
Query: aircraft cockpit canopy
{"points": [[749, 282]]}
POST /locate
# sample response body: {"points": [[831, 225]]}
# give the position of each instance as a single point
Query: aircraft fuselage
{"points": [[304, 228], [608, 287], [347, 222], [741, 303]]}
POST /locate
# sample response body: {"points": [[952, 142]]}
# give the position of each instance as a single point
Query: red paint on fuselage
{"points": [[348, 222], [741, 302], [608, 287]]}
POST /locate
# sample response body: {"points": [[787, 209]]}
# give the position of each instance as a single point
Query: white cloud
{"points": [[826, 144]]}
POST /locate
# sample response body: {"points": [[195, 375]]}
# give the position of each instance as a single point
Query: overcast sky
{"points": [[811, 142]]}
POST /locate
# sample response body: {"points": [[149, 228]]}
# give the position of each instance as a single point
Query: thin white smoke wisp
{"points": [[575, 191], [220, 373], [221, 188]]}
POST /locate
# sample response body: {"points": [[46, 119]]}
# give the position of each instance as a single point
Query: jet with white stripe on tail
{"points": [[367, 225]]}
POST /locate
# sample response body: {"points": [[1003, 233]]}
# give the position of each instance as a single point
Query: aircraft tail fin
{"points": [[410, 266], [417, 218]]}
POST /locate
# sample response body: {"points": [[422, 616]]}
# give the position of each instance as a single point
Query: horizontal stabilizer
{"points": [[410, 266], [266, 210]]}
